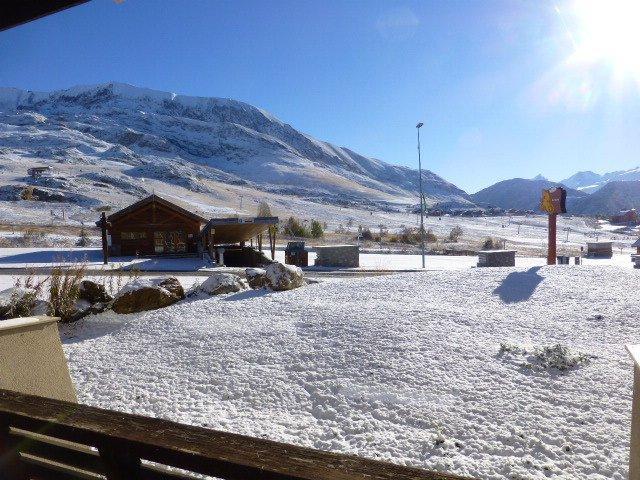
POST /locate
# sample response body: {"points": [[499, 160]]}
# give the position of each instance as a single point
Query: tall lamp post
{"points": [[421, 195]]}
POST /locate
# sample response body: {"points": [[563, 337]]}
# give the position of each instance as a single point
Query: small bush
{"points": [[491, 243], [294, 228], [24, 296], [455, 233], [316, 229], [64, 289], [83, 239], [366, 234], [27, 193], [430, 237]]}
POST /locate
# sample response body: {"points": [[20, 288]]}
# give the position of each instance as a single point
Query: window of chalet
{"points": [[132, 235]]}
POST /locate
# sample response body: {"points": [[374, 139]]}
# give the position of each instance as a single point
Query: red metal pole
{"points": [[551, 249]]}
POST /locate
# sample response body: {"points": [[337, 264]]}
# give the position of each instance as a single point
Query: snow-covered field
{"points": [[406, 367]]}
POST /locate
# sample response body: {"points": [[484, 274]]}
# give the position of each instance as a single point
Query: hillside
{"points": [[520, 194], [114, 142], [610, 199]]}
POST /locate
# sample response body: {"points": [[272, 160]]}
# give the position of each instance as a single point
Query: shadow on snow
{"points": [[519, 286]]}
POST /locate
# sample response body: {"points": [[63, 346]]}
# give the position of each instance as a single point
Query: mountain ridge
{"points": [[221, 139]]}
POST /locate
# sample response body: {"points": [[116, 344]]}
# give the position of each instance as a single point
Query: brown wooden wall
{"points": [[154, 229]]}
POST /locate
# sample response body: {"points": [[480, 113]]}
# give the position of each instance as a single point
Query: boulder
{"points": [[148, 294], [93, 292], [220, 283], [256, 277], [283, 277]]}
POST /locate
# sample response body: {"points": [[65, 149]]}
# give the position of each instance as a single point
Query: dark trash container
{"points": [[296, 254]]}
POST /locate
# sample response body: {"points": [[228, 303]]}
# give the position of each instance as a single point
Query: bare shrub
{"points": [[64, 290], [455, 233], [366, 234], [33, 237], [491, 243], [27, 193], [25, 295], [83, 239], [430, 237]]}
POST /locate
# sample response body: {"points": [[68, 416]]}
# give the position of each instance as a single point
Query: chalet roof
{"points": [[636, 243], [184, 209], [236, 230]]}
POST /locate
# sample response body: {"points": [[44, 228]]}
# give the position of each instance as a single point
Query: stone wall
{"points": [[497, 258], [344, 256]]}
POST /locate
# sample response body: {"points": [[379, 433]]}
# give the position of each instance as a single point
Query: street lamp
{"points": [[421, 195]]}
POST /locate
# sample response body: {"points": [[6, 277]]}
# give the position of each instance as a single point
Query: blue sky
{"points": [[490, 79]]}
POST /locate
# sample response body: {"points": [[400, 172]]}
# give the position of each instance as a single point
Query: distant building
{"points": [[156, 226], [637, 245], [625, 217], [600, 249]]}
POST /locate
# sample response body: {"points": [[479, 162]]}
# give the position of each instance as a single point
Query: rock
{"points": [[283, 277], [41, 308], [173, 286], [17, 302], [256, 277], [93, 292], [220, 283], [148, 294]]}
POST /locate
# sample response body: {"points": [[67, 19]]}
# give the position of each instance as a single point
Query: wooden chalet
{"points": [[156, 226]]}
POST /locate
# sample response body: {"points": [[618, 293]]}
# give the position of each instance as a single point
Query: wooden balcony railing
{"points": [[43, 439]]}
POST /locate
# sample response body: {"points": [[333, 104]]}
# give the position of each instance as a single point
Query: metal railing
{"points": [[41, 438]]}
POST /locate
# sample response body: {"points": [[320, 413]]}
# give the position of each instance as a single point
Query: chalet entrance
{"points": [[170, 242]]}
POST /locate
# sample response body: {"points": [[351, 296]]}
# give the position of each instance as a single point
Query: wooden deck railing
{"points": [[43, 439]]}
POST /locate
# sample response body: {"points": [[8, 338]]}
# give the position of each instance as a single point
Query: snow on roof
{"points": [[185, 208]]}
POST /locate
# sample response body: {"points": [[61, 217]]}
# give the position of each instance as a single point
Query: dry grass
{"points": [[64, 290]]}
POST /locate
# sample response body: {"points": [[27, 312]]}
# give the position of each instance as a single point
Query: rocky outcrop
{"points": [[256, 277], [93, 292], [220, 283], [148, 294], [283, 277]]}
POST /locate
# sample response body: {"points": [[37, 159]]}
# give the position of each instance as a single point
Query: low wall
{"points": [[344, 256], [497, 258], [32, 360]]}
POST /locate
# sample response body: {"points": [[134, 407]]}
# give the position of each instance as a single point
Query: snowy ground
{"points": [[12, 258], [404, 367]]}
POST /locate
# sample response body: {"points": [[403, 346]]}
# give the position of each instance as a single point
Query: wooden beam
{"points": [[17, 12], [209, 452]]}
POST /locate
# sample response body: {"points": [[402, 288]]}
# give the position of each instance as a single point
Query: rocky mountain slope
{"points": [[521, 194], [610, 199], [115, 141]]}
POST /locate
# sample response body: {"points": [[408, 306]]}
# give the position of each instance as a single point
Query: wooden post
{"points": [[272, 242], [119, 463], [260, 242], [551, 249], [105, 245], [634, 453]]}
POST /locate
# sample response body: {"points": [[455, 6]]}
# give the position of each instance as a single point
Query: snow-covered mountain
{"points": [[521, 194], [113, 141], [590, 181], [613, 197]]}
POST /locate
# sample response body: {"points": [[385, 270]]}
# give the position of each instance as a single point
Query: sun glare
{"points": [[608, 32]]}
